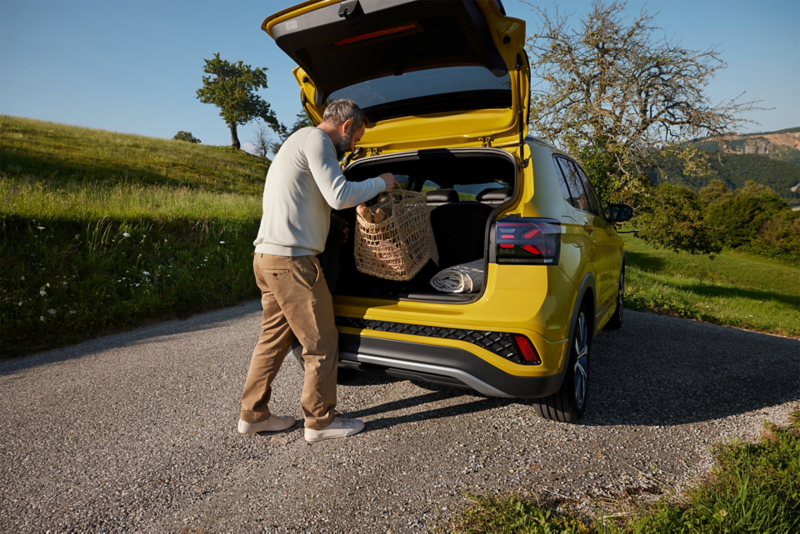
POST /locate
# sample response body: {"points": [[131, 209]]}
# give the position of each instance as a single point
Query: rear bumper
{"points": [[443, 365]]}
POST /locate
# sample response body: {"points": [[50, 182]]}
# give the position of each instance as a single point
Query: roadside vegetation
{"points": [[732, 289], [753, 487], [102, 231]]}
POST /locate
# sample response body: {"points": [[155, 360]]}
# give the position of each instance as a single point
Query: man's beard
{"points": [[344, 145]]}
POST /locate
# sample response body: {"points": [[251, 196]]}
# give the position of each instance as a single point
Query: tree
{"points": [[186, 136], [738, 219], [619, 97], [715, 191], [231, 87], [672, 217], [263, 142]]}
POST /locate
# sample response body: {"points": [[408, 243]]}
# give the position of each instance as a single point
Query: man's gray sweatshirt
{"points": [[303, 183]]}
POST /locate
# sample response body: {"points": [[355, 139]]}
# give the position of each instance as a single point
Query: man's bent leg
{"points": [[308, 307], [273, 344]]}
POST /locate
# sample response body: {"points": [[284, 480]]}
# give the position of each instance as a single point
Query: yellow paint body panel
{"points": [[518, 299], [487, 127]]}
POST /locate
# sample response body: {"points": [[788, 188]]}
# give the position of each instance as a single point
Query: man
{"points": [[303, 184]]}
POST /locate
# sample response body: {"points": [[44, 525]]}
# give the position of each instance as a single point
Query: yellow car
{"points": [[446, 88]]}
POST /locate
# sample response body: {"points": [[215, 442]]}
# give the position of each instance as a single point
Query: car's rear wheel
{"points": [[568, 403], [616, 319]]}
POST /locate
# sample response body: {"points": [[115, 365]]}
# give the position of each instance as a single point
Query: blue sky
{"points": [[134, 66]]}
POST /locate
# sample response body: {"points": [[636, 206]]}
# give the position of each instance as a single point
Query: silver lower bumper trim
{"points": [[475, 383]]}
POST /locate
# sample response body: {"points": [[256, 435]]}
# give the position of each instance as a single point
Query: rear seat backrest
{"points": [[442, 196], [495, 196]]}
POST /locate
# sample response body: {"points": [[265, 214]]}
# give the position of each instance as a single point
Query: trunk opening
{"points": [[465, 190]]}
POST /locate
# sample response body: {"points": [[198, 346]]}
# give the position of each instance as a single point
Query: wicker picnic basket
{"points": [[397, 247]]}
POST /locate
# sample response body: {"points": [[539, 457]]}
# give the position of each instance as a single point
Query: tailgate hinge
{"points": [[486, 142], [373, 151]]}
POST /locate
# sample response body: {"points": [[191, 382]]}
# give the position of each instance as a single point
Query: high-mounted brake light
{"points": [[527, 350], [374, 35], [528, 241]]}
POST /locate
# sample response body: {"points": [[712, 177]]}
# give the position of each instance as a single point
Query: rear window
{"points": [[429, 91]]}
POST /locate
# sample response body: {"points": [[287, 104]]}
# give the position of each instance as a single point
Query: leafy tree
{"points": [[715, 191], [619, 97], [738, 219], [780, 236], [232, 88], [186, 136], [672, 217]]}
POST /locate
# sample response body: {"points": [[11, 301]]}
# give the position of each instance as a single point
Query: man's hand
{"points": [[389, 179]]}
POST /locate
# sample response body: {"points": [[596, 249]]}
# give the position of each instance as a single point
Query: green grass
{"points": [[102, 231], [731, 289], [752, 488]]}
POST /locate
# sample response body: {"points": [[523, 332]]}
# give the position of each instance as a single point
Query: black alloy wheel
{"points": [[568, 404]]}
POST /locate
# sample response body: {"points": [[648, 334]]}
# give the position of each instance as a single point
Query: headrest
{"points": [[439, 196], [494, 195]]}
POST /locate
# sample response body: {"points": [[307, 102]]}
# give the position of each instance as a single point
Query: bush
{"points": [[738, 219], [672, 217], [779, 237], [186, 136]]}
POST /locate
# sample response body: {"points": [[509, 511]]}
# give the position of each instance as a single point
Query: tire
{"points": [[568, 404], [616, 319]]}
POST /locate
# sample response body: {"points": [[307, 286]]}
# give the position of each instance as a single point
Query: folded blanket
{"points": [[464, 278]]}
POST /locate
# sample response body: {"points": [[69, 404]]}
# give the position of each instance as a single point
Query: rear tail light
{"points": [[525, 346], [528, 241]]}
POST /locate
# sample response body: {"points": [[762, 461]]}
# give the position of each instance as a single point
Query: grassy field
{"points": [[102, 231], [752, 488], [731, 289]]}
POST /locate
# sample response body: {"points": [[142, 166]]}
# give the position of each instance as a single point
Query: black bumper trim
{"points": [[500, 343], [353, 345]]}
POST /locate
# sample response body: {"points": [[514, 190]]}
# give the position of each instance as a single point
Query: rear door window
{"points": [[562, 183], [572, 176], [594, 200]]}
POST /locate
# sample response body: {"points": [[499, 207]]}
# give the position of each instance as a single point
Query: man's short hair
{"points": [[343, 110]]}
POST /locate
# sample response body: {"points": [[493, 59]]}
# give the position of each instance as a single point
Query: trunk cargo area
{"points": [[464, 190]]}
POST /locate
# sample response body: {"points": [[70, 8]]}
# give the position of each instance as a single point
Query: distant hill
{"points": [[768, 158], [782, 145], [735, 170]]}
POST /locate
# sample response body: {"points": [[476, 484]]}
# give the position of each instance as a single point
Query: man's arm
{"points": [[339, 193]]}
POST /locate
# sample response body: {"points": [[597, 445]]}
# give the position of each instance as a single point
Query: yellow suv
{"points": [[446, 88]]}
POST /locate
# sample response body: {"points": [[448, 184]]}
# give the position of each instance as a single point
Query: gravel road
{"points": [[136, 431]]}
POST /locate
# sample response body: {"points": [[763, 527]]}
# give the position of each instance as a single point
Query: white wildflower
{"points": [[126, 234], [145, 273], [41, 318], [40, 227], [43, 293], [222, 242], [137, 285], [20, 303], [72, 312], [22, 278], [51, 311], [63, 283]]}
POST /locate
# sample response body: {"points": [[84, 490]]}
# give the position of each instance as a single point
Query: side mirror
{"points": [[619, 213]]}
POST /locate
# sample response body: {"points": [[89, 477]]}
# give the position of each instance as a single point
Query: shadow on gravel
{"points": [[140, 336], [666, 371]]}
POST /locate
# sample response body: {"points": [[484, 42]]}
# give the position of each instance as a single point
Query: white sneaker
{"points": [[275, 423], [339, 428]]}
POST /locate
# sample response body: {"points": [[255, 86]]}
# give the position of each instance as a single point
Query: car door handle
{"points": [[588, 227]]}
